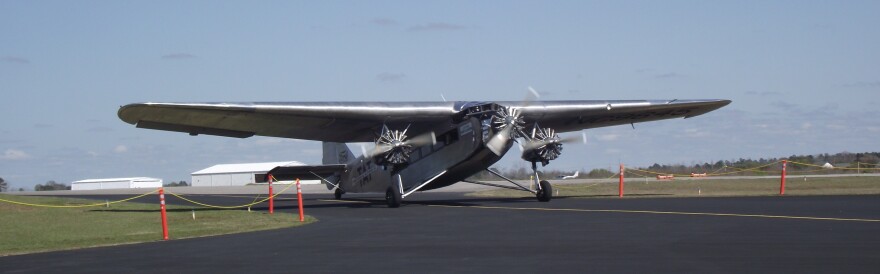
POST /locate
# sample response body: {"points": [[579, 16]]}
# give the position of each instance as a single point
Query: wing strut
{"points": [[502, 186], [423, 184], [335, 186]]}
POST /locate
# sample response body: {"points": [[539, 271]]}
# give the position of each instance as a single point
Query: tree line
{"points": [[868, 162]]}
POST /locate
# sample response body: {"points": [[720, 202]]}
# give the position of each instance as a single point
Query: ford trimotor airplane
{"points": [[450, 140]]}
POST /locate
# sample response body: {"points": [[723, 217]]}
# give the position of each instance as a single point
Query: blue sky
{"points": [[804, 76]]}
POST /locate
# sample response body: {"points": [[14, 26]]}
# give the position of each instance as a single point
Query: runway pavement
{"points": [[449, 232]]}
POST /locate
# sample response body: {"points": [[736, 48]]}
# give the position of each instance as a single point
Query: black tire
{"points": [[546, 192], [338, 193], [392, 196]]}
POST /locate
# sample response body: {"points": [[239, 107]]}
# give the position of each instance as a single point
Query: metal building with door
{"points": [[240, 174], [116, 183]]}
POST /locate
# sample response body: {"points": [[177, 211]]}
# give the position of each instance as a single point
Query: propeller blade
{"points": [[533, 144], [421, 140], [532, 95], [499, 141], [530, 145], [378, 150], [574, 138]]}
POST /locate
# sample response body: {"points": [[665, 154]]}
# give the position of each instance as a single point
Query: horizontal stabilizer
{"points": [[290, 173]]}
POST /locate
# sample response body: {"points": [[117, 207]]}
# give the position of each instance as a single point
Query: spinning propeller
{"points": [[508, 124], [392, 146], [545, 145]]}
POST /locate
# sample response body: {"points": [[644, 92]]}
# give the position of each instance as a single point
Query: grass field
{"points": [[27, 229], [638, 187]]}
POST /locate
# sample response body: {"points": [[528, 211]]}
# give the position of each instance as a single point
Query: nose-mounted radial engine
{"points": [[542, 145], [508, 124]]}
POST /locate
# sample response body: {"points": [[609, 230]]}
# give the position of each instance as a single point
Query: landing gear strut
{"points": [[338, 193], [544, 192]]}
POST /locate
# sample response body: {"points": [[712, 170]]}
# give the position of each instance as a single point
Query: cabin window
{"points": [[446, 139]]}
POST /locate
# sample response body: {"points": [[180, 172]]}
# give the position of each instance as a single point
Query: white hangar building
{"points": [[241, 174], [115, 183]]}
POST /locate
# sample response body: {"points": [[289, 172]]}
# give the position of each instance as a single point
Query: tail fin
{"points": [[576, 173], [336, 153]]}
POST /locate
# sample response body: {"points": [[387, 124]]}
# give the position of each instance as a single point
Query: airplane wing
{"points": [[566, 116], [320, 121], [360, 121]]}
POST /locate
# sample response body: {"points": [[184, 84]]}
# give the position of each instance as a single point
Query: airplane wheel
{"points": [[338, 193], [392, 196], [546, 192]]}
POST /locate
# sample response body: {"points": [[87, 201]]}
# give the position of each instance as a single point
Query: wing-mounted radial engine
{"points": [[543, 145], [394, 148]]}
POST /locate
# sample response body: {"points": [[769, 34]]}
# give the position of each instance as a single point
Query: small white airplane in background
{"points": [[566, 177]]}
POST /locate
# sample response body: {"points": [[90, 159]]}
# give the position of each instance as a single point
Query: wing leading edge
{"points": [[359, 121]]}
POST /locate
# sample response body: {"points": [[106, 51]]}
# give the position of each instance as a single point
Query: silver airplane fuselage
{"points": [[458, 153]]}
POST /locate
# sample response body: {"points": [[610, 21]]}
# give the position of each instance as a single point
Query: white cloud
{"points": [[270, 141], [384, 22], [92, 153], [695, 133], [836, 126], [15, 60], [14, 154], [120, 149], [437, 27], [311, 151], [612, 151], [390, 77], [806, 125], [178, 56]]}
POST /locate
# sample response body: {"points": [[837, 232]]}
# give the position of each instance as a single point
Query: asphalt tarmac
{"points": [[449, 232]]}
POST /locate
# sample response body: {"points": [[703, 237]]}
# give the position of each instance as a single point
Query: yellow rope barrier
{"points": [[827, 168], [744, 170], [636, 173], [230, 207], [711, 174], [79, 206], [802, 172], [615, 175]]}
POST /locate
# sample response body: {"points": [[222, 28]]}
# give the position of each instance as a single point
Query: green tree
{"points": [[51, 185], [4, 186], [181, 183]]}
